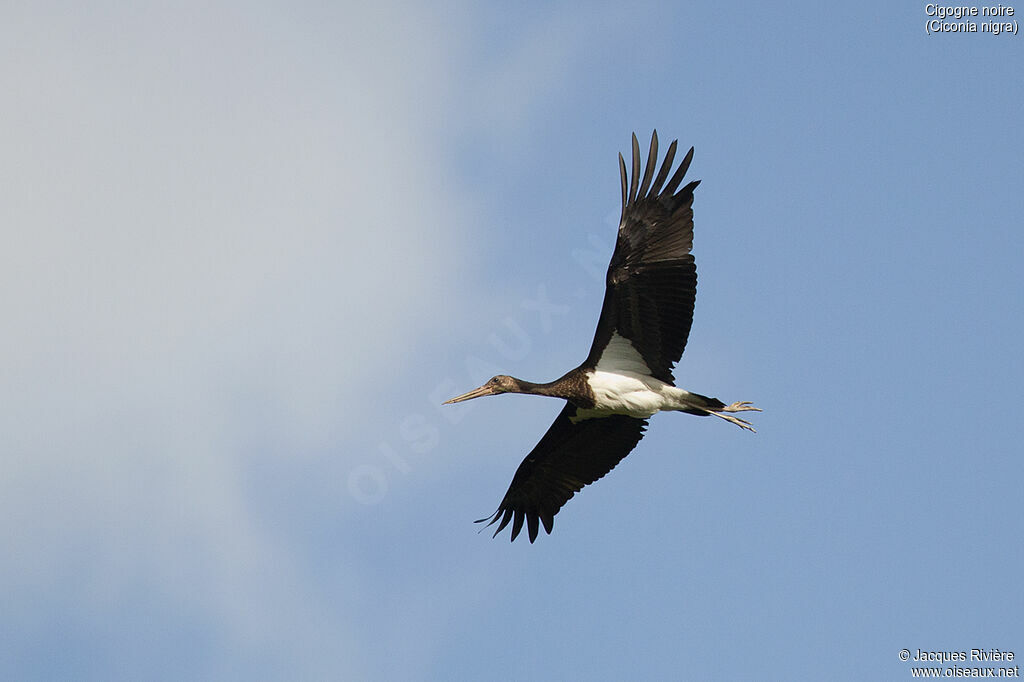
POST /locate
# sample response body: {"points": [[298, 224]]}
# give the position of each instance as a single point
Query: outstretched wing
{"points": [[652, 280], [568, 457]]}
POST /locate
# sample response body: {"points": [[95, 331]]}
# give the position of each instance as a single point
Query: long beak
{"points": [[475, 393]]}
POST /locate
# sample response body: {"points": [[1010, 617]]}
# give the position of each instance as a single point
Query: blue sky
{"points": [[249, 249]]}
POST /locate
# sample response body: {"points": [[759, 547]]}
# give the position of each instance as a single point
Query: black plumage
{"points": [[651, 286], [651, 283], [568, 457]]}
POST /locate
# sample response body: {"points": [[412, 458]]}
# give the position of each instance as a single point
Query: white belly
{"points": [[629, 393]]}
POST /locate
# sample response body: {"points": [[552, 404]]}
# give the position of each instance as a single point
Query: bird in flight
{"points": [[627, 377]]}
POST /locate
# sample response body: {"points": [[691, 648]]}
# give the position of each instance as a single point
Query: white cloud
{"points": [[531, 69], [200, 205]]}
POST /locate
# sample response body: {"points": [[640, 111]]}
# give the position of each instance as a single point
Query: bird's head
{"points": [[494, 386]]}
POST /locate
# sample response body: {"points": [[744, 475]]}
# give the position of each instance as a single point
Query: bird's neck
{"points": [[529, 387], [572, 387]]}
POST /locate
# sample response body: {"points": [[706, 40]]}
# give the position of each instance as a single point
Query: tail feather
{"points": [[702, 401]]}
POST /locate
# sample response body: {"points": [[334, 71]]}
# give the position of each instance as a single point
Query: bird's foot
{"points": [[742, 423], [744, 406]]}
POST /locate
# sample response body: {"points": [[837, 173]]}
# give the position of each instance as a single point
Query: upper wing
{"points": [[652, 280], [568, 457]]}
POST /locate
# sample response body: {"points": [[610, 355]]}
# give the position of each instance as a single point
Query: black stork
{"points": [[627, 377]]}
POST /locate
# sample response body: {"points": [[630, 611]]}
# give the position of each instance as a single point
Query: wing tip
{"points": [[534, 521], [634, 181], [684, 165], [634, 189], [624, 179]]}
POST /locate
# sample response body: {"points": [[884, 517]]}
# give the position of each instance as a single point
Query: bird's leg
{"points": [[744, 406]]}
